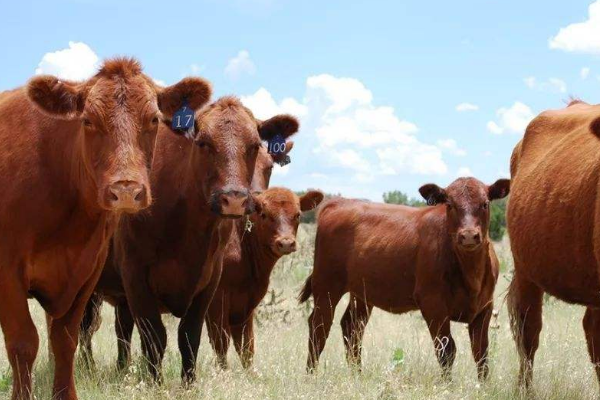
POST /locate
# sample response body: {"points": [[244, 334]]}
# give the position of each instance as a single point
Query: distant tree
{"points": [[498, 219], [397, 197]]}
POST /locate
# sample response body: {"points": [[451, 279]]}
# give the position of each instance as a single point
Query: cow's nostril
{"points": [[139, 196], [113, 196], [224, 201]]}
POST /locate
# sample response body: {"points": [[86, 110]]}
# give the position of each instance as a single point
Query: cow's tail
{"points": [[513, 314], [306, 291]]}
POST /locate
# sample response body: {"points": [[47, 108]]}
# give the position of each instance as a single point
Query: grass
{"points": [[398, 359]]}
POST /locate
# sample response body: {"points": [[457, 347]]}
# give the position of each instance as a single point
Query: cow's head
{"points": [[229, 140], [277, 217], [119, 109], [467, 203]]}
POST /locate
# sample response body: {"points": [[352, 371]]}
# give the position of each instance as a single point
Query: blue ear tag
{"points": [[183, 121], [277, 147]]}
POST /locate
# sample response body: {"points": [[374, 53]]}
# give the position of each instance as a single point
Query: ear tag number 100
{"points": [[277, 145], [183, 120]]}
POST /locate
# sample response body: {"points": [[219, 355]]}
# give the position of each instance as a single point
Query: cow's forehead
{"points": [[467, 190], [281, 199], [131, 93]]}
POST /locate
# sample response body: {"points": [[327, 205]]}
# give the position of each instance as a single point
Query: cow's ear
{"points": [[193, 90], [284, 125], [433, 194], [56, 97], [499, 189], [310, 200]]}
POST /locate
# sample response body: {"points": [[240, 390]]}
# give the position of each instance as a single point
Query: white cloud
{"points": [[350, 133], [462, 107], [76, 63], [239, 65], [281, 171], [551, 85], [263, 105], [584, 73], [159, 82], [512, 120], [464, 171], [580, 37], [450, 146], [196, 69]]}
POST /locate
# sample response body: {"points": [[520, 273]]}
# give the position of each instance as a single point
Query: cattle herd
{"points": [[111, 194]]}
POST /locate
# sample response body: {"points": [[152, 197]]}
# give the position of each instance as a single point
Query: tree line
{"points": [[497, 210]]}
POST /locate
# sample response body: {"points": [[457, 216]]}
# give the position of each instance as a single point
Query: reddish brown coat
{"points": [[438, 260], [74, 157], [169, 260], [249, 260], [553, 218]]}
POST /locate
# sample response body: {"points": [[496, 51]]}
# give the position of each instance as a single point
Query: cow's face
{"points": [[264, 167], [277, 217], [229, 140], [467, 203], [119, 110]]}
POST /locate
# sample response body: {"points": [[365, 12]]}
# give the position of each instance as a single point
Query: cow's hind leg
{"points": [[525, 308], [319, 324], [591, 326], [90, 323], [353, 323], [20, 336]]}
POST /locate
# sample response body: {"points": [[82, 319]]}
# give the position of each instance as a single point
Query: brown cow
{"points": [[74, 157], [553, 219], [438, 260], [110, 288], [169, 260], [249, 260]]}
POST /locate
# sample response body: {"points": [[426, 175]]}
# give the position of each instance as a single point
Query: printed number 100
{"points": [[277, 147]]}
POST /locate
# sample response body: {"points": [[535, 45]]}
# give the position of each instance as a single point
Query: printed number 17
{"points": [[187, 122]]}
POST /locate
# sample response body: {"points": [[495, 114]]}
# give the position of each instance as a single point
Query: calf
{"points": [[74, 158], [169, 260], [437, 259], [249, 260]]}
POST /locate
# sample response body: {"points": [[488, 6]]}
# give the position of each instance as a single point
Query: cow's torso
{"points": [[554, 207], [46, 230], [381, 248]]}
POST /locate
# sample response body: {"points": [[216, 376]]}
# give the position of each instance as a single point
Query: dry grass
{"points": [[562, 367]]}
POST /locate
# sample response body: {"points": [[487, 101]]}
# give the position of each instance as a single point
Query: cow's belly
{"points": [[388, 285]]}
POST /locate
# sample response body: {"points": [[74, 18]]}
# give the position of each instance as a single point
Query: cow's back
{"points": [[552, 210], [370, 248]]}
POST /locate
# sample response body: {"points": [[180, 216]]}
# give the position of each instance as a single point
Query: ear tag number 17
{"points": [[183, 121]]}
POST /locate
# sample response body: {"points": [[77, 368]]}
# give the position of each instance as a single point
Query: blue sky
{"points": [[391, 94]]}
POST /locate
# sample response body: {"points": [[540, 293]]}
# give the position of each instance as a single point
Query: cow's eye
{"points": [[485, 205], [297, 217], [87, 123], [449, 206], [263, 215], [155, 121]]}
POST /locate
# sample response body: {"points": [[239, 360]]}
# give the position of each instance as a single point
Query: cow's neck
{"points": [[257, 254], [473, 266]]}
